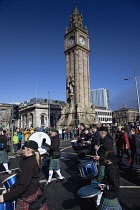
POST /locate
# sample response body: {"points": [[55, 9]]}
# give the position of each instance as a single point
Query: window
{"points": [[42, 119]]}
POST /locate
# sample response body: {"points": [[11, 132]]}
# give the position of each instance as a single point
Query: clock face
{"points": [[71, 40], [81, 40]]}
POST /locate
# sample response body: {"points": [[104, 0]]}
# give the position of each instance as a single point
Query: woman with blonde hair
{"points": [[26, 187]]}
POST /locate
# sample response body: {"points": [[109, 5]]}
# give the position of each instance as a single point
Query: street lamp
{"points": [[137, 90], [49, 109]]}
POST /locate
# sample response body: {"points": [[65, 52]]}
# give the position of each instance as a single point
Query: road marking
{"points": [[54, 179], [134, 187], [70, 153], [66, 148], [10, 170], [11, 157]]}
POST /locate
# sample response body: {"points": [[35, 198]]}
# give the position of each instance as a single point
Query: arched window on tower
{"points": [[42, 119]]}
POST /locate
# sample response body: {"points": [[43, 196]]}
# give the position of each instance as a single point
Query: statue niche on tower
{"points": [[70, 89]]}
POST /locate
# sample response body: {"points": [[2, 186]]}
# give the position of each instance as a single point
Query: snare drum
{"points": [[7, 206], [88, 169], [88, 191], [9, 181]]}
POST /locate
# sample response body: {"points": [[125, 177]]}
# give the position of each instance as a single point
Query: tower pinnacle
{"points": [[76, 19]]}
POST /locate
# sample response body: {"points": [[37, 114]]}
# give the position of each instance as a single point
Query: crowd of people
{"points": [[98, 142]]}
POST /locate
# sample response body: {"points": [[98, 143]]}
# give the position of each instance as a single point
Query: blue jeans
{"points": [[15, 147], [65, 135], [60, 135]]}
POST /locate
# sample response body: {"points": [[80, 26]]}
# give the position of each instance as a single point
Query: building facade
{"points": [[5, 115], [39, 112], [103, 115], [100, 97], [77, 49], [125, 115]]}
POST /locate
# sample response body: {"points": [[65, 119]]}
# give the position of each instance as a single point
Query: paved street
{"points": [[63, 195]]}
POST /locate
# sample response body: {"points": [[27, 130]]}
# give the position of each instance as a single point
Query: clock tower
{"points": [[77, 49]]}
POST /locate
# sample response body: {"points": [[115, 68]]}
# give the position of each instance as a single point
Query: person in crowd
{"points": [[26, 133], [60, 133], [118, 138], [15, 142], [8, 134], [95, 138], [31, 130], [68, 133], [110, 184], [72, 133], [127, 129], [84, 145], [41, 129], [26, 187], [106, 144], [54, 156], [64, 133], [125, 146], [134, 146], [82, 130], [19, 133], [3, 154]]}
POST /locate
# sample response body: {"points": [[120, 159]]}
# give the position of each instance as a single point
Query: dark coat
{"points": [[106, 145], [95, 139], [27, 182], [3, 140], [111, 180], [55, 144], [134, 144]]}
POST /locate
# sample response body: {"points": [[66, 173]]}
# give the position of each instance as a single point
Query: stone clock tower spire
{"points": [[77, 50]]}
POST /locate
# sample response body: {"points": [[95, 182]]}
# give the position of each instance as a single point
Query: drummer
{"points": [[84, 144], [54, 156], [110, 184], [106, 144], [3, 154], [26, 187]]}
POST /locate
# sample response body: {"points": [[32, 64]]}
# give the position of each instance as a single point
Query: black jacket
{"points": [[27, 182], [3, 140], [95, 138], [106, 144], [55, 144], [111, 180]]}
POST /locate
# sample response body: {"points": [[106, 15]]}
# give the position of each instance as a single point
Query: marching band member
{"points": [[26, 187], [110, 184], [3, 154], [54, 156], [106, 144]]}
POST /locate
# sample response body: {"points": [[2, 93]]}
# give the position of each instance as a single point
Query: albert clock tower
{"points": [[78, 107]]}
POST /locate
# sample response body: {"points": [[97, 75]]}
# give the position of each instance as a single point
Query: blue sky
{"points": [[32, 48]]}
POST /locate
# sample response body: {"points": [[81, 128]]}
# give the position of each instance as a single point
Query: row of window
{"points": [[105, 119], [104, 113]]}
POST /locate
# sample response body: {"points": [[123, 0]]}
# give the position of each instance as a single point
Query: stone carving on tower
{"points": [[77, 50]]}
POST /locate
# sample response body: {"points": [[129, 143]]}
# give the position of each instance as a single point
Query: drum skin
{"points": [[38, 137], [88, 191]]}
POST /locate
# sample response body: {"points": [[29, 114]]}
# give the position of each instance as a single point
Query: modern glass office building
{"points": [[100, 97]]}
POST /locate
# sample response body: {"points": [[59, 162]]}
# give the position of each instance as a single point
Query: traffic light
{"points": [[15, 112]]}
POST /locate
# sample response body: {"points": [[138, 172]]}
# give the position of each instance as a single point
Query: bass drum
{"points": [[38, 137]]}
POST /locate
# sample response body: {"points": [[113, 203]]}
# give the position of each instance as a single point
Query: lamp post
{"points": [[49, 109], [137, 90]]}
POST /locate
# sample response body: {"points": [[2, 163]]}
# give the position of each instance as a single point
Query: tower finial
{"points": [[75, 3]]}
